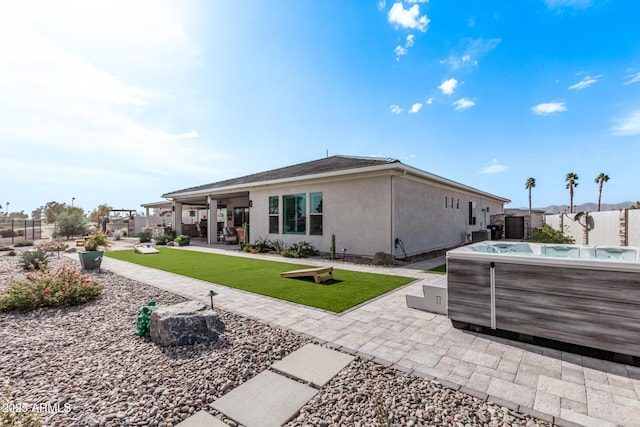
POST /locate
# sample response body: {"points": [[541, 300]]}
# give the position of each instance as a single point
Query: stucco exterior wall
{"points": [[604, 228], [633, 227], [423, 222], [357, 211]]}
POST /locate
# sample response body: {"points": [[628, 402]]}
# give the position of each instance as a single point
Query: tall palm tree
{"points": [[601, 179], [572, 182], [531, 182]]}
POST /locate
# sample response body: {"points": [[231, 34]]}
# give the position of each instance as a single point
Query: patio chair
{"points": [[229, 235], [202, 231]]}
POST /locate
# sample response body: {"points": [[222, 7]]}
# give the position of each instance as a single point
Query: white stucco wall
{"points": [[605, 228], [355, 210], [634, 227]]}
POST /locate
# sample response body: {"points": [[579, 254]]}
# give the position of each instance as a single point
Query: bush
{"points": [[144, 236], [163, 239], [278, 246], [182, 240], [8, 233], [54, 245], [299, 250], [547, 234], [35, 260], [69, 223], [22, 243], [382, 258], [96, 241], [67, 286]]}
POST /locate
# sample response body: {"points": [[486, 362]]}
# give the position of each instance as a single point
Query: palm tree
{"points": [[601, 179], [572, 182], [531, 182]]}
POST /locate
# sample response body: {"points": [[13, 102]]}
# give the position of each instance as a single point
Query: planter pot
{"points": [[91, 260]]}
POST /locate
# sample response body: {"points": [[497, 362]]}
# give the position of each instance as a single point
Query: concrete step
{"points": [[433, 299]]}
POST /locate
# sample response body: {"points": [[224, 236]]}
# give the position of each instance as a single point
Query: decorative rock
{"points": [[185, 324]]}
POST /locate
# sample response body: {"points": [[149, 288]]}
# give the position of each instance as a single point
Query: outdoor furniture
{"points": [[145, 249], [202, 231], [319, 274], [229, 235]]}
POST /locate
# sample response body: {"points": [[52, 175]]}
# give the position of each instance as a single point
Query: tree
{"points": [[36, 214], [600, 180], [18, 215], [99, 212], [52, 210], [636, 206], [572, 182], [70, 222], [531, 183]]}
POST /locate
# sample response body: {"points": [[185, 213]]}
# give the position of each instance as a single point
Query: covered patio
{"points": [[207, 218]]}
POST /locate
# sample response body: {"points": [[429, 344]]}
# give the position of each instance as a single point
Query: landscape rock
{"points": [[185, 323]]}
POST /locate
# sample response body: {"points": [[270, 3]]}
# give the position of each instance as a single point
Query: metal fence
{"points": [[12, 230]]}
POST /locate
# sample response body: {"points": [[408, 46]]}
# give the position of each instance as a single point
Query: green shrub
{"points": [[35, 260], [144, 319], [262, 244], [547, 234], [69, 223], [182, 240], [299, 250], [66, 286], [333, 246], [163, 239], [54, 245], [278, 246], [22, 243], [144, 236], [8, 233]]}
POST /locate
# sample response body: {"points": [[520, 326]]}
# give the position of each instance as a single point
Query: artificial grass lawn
{"points": [[441, 269], [348, 289]]}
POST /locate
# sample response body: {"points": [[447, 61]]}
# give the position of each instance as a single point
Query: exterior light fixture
{"points": [[212, 293]]}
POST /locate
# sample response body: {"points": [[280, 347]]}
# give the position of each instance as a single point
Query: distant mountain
{"points": [[587, 207]]}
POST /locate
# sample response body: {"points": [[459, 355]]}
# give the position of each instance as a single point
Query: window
{"points": [[294, 208], [240, 216], [273, 215], [457, 203], [446, 202], [452, 203], [472, 213], [315, 214]]}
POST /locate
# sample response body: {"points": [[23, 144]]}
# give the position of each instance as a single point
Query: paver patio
{"points": [[553, 385]]}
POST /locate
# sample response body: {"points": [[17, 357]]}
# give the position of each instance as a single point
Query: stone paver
{"points": [[313, 364], [591, 391], [202, 419], [266, 400]]}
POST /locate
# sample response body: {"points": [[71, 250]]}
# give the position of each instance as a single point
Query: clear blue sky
{"points": [[118, 102]]}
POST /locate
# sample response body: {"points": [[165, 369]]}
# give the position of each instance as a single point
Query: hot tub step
{"points": [[433, 300]]}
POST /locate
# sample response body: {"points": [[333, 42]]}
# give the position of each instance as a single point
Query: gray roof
{"points": [[328, 164]]}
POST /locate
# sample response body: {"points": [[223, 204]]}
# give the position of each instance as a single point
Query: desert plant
{"points": [[182, 240], [66, 286], [117, 234], [547, 234], [143, 323], [163, 239], [278, 246], [299, 250], [96, 240], [333, 246], [144, 236], [262, 244], [35, 260], [17, 414], [23, 243]]}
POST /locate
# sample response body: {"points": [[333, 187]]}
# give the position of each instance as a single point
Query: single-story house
{"points": [[369, 204]]}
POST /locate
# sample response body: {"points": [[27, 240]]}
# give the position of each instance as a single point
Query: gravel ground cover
{"points": [[87, 363]]}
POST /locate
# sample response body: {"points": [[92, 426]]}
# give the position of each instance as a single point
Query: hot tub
{"points": [[578, 294]]}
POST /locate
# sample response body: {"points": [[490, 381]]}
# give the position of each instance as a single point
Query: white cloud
{"points": [[469, 51], [547, 108], [633, 78], [494, 167], [400, 50], [585, 82], [561, 4], [411, 40], [408, 18], [463, 103], [628, 126], [415, 108], [417, 1], [395, 109], [448, 86], [429, 101], [381, 5]]}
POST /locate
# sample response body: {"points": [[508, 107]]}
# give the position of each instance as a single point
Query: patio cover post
{"points": [[146, 218], [211, 206], [176, 218]]}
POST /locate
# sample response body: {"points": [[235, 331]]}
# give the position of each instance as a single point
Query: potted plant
{"points": [[92, 257]]}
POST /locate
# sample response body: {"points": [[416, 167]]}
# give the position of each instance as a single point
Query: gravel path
{"points": [[87, 359]]}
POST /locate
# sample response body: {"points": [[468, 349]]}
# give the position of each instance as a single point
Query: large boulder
{"points": [[185, 324]]}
